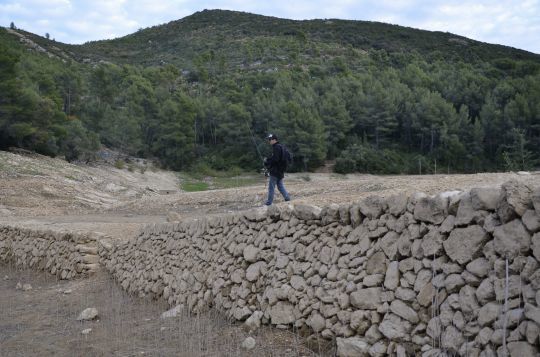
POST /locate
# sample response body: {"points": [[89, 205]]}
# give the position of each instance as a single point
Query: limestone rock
{"points": [[250, 253], [536, 245], [255, 270], [485, 198], [432, 243], [393, 327], [376, 264], [352, 347], [316, 322], [366, 299], [465, 213], [86, 331], [254, 321], [173, 312], [88, 314], [511, 239], [452, 339], [485, 291], [532, 313], [397, 204], [531, 220], [467, 300], [521, 349], [330, 213], [479, 267], [431, 209], [249, 343], [282, 313], [403, 310], [391, 281], [515, 199], [307, 212], [372, 334], [464, 244], [389, 244], [371, 207], [488, 313], [536, 200]]}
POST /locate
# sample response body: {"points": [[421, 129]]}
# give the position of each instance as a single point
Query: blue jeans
{"points": [[271, 188]]}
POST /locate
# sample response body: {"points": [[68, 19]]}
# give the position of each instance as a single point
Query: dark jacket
{"points": [[275, 163]]}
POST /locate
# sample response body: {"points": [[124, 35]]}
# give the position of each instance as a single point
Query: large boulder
{"points": [[464, 244], [514, 201], [511, 239]]}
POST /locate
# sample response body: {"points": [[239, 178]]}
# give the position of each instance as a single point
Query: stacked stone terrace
{"points": [[64, 254], [453, 274]]}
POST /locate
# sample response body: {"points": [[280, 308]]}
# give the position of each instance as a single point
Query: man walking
{"points": [[276, 165]]}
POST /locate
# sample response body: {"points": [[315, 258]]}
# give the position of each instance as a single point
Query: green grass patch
{"points": [[232, 182], [194, 186], [195, 181]]}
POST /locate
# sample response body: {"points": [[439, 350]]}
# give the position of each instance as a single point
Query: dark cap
{"points": [[271, 137]]}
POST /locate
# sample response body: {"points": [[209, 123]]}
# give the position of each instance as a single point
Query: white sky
{"points": [[507, 22]]}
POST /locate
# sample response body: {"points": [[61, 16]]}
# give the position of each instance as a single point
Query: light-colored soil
{"points": [[45, 193], [38, 191], [43, 322]]}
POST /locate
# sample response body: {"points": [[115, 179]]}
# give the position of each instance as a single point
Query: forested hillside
{"points": [[202, 90]]}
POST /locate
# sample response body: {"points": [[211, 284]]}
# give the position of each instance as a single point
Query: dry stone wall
{"points": [[64, 254], [453, 274]]}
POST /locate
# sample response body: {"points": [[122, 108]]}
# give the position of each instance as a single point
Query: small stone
{"points": [[172, 312], [254, 321], [86, 331], [479, 267], [316, 322], [67, 291], [249, 343], [88, 314], [26, 287], [391, 281]]}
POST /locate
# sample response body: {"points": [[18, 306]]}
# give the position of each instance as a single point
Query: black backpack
{"points": [[286, 157]]}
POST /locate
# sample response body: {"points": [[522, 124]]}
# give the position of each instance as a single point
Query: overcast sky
{"points": [[506, 22]]}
